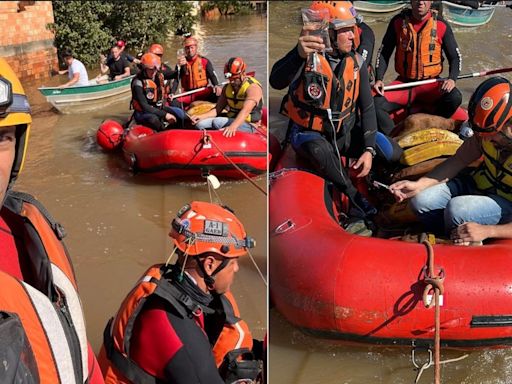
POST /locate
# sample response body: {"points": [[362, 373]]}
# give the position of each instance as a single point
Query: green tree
{"points": [[91, 27], [227, 7]]}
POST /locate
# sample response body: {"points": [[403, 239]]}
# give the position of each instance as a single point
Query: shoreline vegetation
{"points": [[92, 27]]}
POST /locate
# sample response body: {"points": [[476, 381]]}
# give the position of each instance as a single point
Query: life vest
{"points": [[236, 102], [235, 333], [48, 310], [318, 98], [114, 357], [418, 55], [155, 94], [194, 76], [494, 175]]}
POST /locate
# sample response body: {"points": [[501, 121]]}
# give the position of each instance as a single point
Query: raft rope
{"points": [[429, 363], [257, 268], [210, 189], [434, 283], [209, 138]]}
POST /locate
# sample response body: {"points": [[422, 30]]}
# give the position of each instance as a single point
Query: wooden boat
{"points": [[87, 98], [466, 16], [340, 286], [379, 6], [189, 152]]}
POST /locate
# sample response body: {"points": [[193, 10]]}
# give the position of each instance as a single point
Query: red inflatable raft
{"points": [[341, 286], [188, 152]]}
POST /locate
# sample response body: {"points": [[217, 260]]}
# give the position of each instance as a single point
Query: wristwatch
{"points": [[371, 150]]}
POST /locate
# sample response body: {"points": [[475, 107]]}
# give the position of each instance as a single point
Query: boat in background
{"points": [[465, 16], [87, 98], [379, 6]]}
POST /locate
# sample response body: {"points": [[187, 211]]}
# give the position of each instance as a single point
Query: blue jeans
{"points": [[221, 122], [447, 205]]}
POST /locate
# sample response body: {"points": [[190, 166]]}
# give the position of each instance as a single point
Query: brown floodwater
{"points": [[299, 359], [117, 223]]}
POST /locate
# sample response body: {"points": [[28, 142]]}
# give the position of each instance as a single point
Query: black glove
{"points": [[239, 364]]}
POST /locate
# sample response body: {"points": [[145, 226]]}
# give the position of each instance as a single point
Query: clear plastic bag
{"points": [[319, 19]]}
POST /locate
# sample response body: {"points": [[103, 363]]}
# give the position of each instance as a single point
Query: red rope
{"points": [[236, 166]]}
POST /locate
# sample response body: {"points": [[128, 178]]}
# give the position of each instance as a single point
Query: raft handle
{"points": [[284, 227]]}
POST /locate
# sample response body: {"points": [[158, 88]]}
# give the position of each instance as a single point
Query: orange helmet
{"points": [[234, 67], [490, 105], [342, 13], [189, 41], [202, 227], [157, 49], [150, 60]]}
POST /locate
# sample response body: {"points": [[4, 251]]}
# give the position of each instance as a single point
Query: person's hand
{"points": [[171, 119], [62, 71], [218, 90], [448, 86], [195, 119], [364, 163], [229, 131], [182, 61], [136, 61], [405, 189], [469, 232], [379, 87], [118, 77], [309, 43]]}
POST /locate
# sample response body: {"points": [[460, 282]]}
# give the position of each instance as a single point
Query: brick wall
{"points": [[25, 42]]}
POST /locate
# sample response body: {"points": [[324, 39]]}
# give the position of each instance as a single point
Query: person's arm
{"points": [[253, 97], [469, 151], [210, 73], [126, 72], [384, 54], [104, 64], [452, 52], [63, 72], [72, 81], [368, 122], [212, 76], [367, 44]]}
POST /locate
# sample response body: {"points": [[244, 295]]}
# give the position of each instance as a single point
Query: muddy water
{"points": [[117, 223], [299, 359]]}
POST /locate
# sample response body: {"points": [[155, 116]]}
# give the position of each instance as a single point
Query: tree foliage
{"points": [[227, 7], [91, 27]]}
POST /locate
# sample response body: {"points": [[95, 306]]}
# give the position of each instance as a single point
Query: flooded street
{"points": [[117, 223], [296, 358]]}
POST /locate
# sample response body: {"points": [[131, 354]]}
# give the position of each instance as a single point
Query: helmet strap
{"points": [[210, 279]]}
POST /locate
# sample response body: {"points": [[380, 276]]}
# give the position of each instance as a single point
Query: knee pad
{"points": [[388, 148]]}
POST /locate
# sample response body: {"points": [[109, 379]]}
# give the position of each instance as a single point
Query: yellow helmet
{"points": [[14, 111]]}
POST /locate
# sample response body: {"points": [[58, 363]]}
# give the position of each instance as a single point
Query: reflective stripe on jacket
{"points": [[49, 308]]}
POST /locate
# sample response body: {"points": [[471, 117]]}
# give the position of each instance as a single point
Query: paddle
{"points": [[203, 88], [430, 81]]}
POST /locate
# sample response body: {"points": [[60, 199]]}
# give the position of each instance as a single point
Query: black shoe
{"points": [[362, 207]]}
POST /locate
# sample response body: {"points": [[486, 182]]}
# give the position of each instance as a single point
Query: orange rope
{"points": [[236, 166], [435, 283]]}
